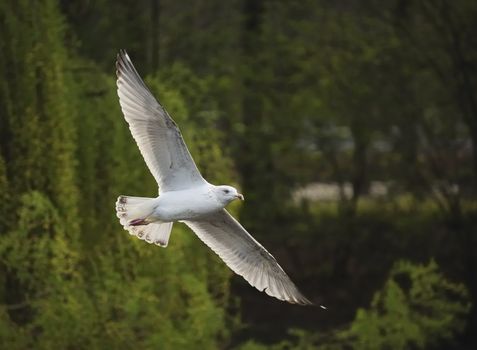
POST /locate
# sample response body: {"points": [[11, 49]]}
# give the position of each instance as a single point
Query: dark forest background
{"points": [[350, 127]]}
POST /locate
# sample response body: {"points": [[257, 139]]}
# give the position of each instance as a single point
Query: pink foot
{"points": [[137, 222]]}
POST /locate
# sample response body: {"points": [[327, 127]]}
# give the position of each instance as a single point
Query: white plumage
{"points": [[245, 256], [156, 134], [185, 196]]}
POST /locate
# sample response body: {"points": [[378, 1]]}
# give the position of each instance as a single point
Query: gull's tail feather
{"points": [[130, 209], [133, 213], [155, 232]]}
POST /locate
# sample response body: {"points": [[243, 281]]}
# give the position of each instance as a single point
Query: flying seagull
{"points": [[185, 196]]}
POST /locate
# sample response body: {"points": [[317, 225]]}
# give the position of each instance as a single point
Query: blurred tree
{"points": [[441, 37], [40, 140], [38, 149], [440, 45], [417, 308], [4, 194]]}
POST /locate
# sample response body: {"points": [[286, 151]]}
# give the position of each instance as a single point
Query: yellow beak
{"points": [[240, 196]]}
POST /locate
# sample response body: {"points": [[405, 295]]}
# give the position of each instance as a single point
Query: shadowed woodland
{"points": [[374, 101]]}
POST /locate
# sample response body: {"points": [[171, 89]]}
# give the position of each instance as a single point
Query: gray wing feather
{"points": [[245, 256], [156, 134]]}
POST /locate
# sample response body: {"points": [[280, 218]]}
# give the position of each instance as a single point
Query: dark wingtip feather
{"points": [[304, 301], [122, 54], [300, 299], [125, 67], [121, 59]]}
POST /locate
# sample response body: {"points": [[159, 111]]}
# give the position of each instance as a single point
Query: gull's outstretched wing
{"points": [[245, 256], [156, 134]]}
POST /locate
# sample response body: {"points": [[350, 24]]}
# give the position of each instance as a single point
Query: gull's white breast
{"points": [[186, 204]]}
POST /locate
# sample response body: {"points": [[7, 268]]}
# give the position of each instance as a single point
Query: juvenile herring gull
{"points": [[185, 196]]}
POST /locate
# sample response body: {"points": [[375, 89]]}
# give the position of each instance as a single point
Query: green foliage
{"points": [[417, 307], [253, 345], [4, 194], [42, 264], [38, 116]]}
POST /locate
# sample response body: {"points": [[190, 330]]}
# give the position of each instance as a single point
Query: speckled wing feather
{"points": [[245, 256], [156, 134]]}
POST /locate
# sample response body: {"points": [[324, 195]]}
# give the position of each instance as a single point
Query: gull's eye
{"points": [[226, 191]]}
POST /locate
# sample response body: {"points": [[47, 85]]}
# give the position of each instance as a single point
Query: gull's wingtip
{"points": [[122, 52], [309, 303], [121, 58], [303, 301]]}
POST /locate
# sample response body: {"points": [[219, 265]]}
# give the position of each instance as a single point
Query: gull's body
{"points": [[185, 204], [185, 196]]}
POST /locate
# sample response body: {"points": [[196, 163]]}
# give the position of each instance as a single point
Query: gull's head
{"points": [[227, 194]]}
